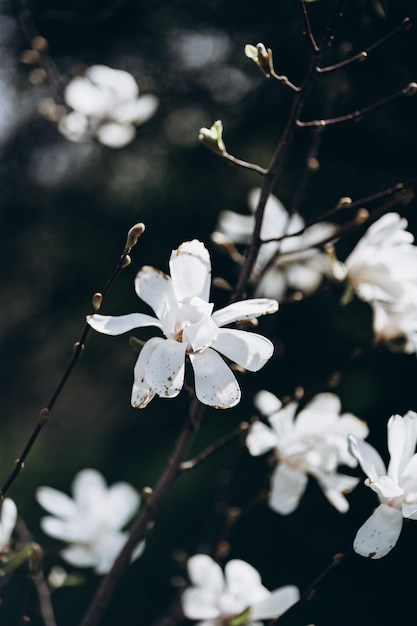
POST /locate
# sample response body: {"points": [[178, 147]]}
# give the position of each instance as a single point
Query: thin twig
{"points": [[215, 447], [307, 26], [409, 90], [245, 164]]}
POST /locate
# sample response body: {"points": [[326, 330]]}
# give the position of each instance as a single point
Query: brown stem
{"points": [[108, 585], [307, 26], [245, 164]]}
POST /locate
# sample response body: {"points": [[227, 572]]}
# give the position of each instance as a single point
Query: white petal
{"points": [[87, 486], [74, 126], [287, 487], [245, 309], [56, 502], [368, 457], [260, 439], [215, 383], [84, 97], [60, 529], [8, 521], [155, 288], [190, 269], [78, 556], [199, 603], [165, 370], [142, 392], [118, 324], [380, 532], [119, 82], [136, 111], [122, 503], [249, 350], [114, 135], [237, 228], [244, 580], [319, 414], [334, 486], [267, 403], [202, 334], [204, 572], [276, 604]]}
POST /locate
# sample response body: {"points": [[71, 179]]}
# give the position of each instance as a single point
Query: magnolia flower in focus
{"points": [[105, 104], [191, 329], [382, 270], [92, 521], [217, 599], [396, 487], [299, 266], [8, 517], [313, 442]]}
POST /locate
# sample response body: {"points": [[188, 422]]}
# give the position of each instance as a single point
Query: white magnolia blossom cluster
{"points": [[382, 270], [191, 329], [106, 105], [396, 486], [92, 521], [312, 442], [215, 599], [292, 263]]}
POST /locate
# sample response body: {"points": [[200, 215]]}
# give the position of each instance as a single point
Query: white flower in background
{"points": [[92, 521], [186, 318], [217, 599], [8, 517], [396, 487], [313, 442], [299, 266], [105, 104], [382, 270]]}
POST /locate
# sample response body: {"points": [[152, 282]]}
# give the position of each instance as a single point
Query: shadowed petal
{"points": [[204, 572], [56, 502], [368, 457], [249, 350], [155, 288], [87, 486], [136, 111], [119, 324], [115, 135], [239, 311], [199, 603], [287, 487], [122, 503], [276, 604], [8, 521], [267, 403], [261, 439], [142, 392], [190, 269], [215, 383], [379, 533]]}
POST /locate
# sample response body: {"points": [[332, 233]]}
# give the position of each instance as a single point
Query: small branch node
{"points": [[44, 415]]}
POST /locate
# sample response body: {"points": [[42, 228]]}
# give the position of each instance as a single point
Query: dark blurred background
{"points": [[65, 209]]}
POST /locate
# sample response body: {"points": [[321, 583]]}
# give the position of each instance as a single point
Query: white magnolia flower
{"points": [[299, 266], [382, 270], [105, 104], [185, 316], [313, 442], [8, 517], [396, 486], [217, 599], [92, 521]]}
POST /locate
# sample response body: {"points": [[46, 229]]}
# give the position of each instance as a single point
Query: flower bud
{"points": [[261, 56], [344, 202], [96, 301], [411, 89], [213, 137], [133, 235], [126, 261]]}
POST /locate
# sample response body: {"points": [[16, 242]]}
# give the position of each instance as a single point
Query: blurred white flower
{"points": [[313, 442], [382, 270], [299, 266], [105, 104], [92, 521], [185, 316], [8, 517], [217, 599], [396, 487]]}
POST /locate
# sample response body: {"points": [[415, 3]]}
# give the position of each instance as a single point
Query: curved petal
{"points": [[320, 414], [78, 555], [201, 334], [379, 533], [334, 487], [244, 582], [199, 603], [249, 350], [8, 521], [260, 439], [236, 227], [190, 269], [215, 383], [114, 135], [155, 288], [204, 572], [276, 604], [60, 529], [122, 503], [56, 502], [243, 310], [136, 111], [142, 392], [368, 457], [267, 403], [86, 98], [165, 370], [119, 324], [87, 486], [119, 82], [287, 487]]}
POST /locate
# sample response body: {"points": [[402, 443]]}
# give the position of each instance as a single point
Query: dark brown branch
{"points": [[409, 90], [307, 26]]}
